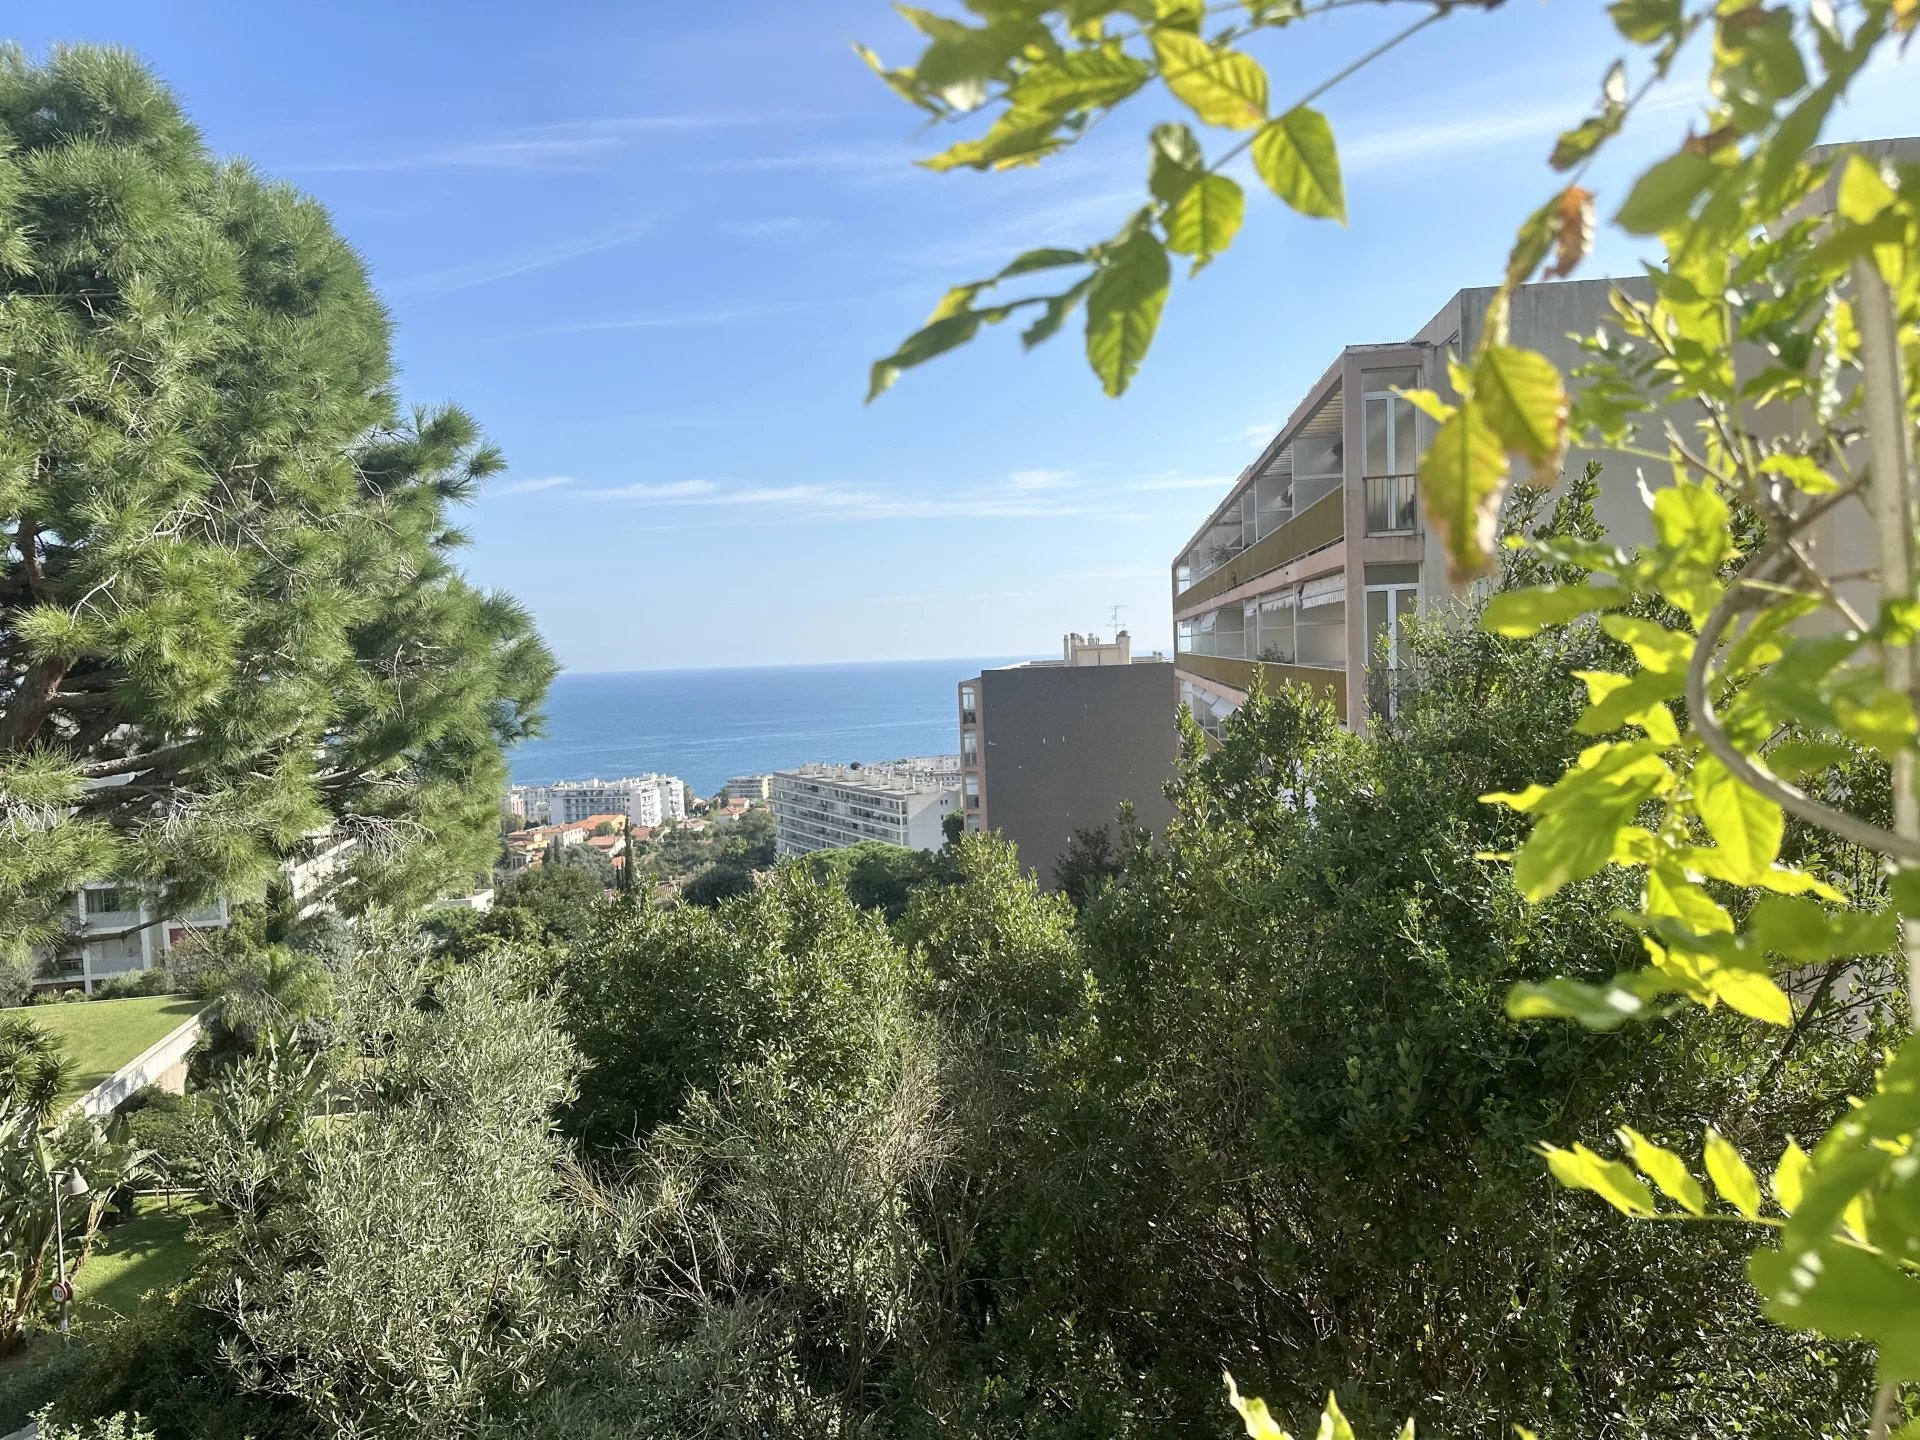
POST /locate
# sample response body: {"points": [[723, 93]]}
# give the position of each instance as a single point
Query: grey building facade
{"points": [[1050, 748]]}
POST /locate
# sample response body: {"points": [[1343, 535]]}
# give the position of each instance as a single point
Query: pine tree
{"points": [[229, 616]]}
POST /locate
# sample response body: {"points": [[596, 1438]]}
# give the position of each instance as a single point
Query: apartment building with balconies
{"points": [[1305, 570], [902, 802], [113, 932]]}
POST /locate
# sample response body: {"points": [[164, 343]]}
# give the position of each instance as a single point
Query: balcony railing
{"points": [[1393, 504], [1331, 683], [1315, 528]]}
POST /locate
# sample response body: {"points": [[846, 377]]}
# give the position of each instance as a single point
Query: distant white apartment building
{"points": [[643, 799], [902, 802], [751, 788]]}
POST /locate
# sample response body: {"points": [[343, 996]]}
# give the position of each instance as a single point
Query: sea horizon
{"points": [[709, 723]]}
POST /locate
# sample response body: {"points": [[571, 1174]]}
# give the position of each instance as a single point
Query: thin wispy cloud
{"points": [[829, 502], [505, 267], [1039, 479], [562, 145], [657, 490], [777, 227], [879, 162], [690, 320], [533, 486]]}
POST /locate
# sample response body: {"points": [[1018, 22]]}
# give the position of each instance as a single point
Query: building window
{"points": [[104, 901], [969, 748], [969, 712]]}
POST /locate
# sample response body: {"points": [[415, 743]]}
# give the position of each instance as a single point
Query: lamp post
{"points": [[65, 1182]]}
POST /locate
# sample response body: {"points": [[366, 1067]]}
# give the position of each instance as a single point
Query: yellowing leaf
{"points": [[1333, 1424], [1297, 158], [1222, 87], [1581, 1169], [1520, 395], [1253, 1411], [1571, 225], [1463, 476], [1204, 220], [1665, 1169], [1123, 308], [1730, 1175]]}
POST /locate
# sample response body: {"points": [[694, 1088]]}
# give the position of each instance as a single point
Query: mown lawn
{"points": [[152, 1251], [103, 1035]]}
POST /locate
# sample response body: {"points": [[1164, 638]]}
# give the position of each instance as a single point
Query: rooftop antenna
{"points": [[1117, 614]]}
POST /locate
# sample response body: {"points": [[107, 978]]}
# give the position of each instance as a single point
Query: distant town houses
{"points": [[753, 789], [642, 799], [896, 802]]}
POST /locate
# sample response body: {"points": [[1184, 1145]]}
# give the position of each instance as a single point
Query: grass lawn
{"points": [[103, 1035], [153, 1251], [150, 1252]]}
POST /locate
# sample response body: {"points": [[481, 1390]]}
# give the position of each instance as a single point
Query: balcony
{"points": [[1331, 683], [1318, 526], [1393, 504]]}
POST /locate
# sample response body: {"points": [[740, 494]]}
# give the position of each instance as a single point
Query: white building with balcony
{"points": [[113, 934], [901, 802], [1304, 572]]}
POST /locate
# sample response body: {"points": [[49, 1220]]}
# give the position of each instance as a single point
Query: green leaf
{"points": [[1630, 703], [1884, 723], [1581, 1169], [1812, 933], [1079, 80], [1222, 87], [1018, 137], [1665, 1169], [1801, 472], [1662, 197], [1048, 258], [1175, 161], [1694, 522], [1123, 308], [1593, 1007], [1644, 21], [1790, 1177], [1053, 314], [1297, 158], [1730, 1175], [1520, 395], [1522, 614], [1746, 825], [1663, 651], [1579, 818], [1614, 701], [1463, 476], [1843, 1292], [934, 339], [1204, 221]]}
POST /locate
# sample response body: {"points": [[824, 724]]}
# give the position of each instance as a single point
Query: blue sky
{"points": [[655, 247]]}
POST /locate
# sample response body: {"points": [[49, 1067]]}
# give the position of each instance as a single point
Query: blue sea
{"points": [[708, 725]]}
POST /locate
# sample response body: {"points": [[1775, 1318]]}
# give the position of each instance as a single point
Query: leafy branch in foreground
{"points": [[1771, 368]]}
